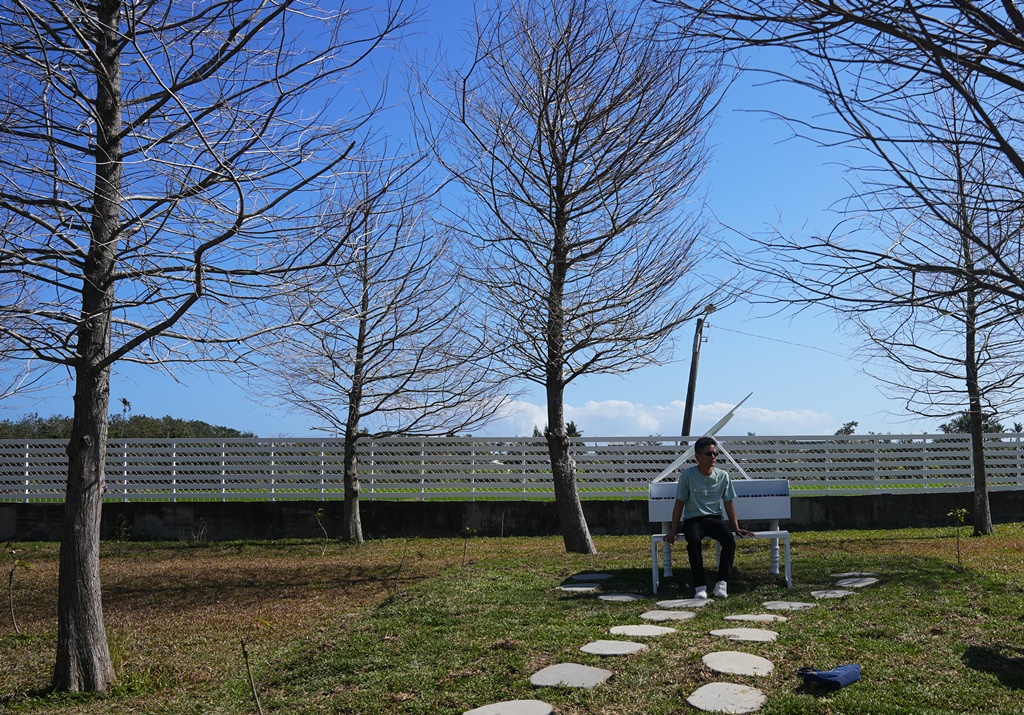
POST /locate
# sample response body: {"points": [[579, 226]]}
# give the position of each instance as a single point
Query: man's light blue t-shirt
{"points": [[701, 495]]}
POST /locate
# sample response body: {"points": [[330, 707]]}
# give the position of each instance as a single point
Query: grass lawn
{"points": [[444, 626]]}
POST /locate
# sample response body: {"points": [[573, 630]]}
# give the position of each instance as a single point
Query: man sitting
{"points": [[698, 492]]}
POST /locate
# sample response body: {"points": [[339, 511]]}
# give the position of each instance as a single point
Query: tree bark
{"points": [[982, 512], [575, 532], [352, 527], [83, 657]]}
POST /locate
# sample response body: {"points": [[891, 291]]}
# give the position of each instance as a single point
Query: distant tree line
{"points": [[33, 426]]}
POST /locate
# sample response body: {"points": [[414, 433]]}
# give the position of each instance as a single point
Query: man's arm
{"points": [[734, 524], [677, 511]]}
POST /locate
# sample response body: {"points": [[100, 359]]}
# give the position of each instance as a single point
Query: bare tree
{"points": [[577, 136], [154, 155], [933, 91], [388, 343], [878, 65]]}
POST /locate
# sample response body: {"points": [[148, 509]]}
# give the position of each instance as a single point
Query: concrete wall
{"points": [[219, 521]]}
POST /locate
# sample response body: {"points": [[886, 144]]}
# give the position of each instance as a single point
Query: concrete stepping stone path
{"points": [[609, 648], [727, 698], [752, 635], [852, 574], [621, 597], [514, 707], [787, 605], [581, 587], [590, 577], [758, 617], [732, 662], [569, 675], [832, 593], [856, 582], [642, 631], [685, 603], [668, 615]]}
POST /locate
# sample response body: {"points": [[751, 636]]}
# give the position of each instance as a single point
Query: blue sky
{"points": [[803, 370]]}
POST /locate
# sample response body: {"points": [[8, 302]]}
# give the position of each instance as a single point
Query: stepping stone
{"points": [[591, 577], [787, 605], [686, 603], [641, 631], [852, 574], [735, 663], [668, 615], [757, 617], [514, 707], [569, 675], [857, 582], [832, 593], [620, 597], [753, 635], [579, 587], [613, 648], [727, 698]]}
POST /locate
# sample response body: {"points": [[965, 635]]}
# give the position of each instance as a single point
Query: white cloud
{"points": [[622, 418]]}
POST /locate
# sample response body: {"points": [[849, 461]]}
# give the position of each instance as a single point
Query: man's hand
{"points": [[670, 537], [742, 532]]}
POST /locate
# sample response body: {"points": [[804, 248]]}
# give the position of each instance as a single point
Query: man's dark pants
{"points": [[715, 527]]}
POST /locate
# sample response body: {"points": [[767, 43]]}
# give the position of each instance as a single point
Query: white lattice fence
{"points": [[496, 468]]}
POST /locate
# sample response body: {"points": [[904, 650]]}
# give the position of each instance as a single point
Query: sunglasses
{"points": [[713, 455]]}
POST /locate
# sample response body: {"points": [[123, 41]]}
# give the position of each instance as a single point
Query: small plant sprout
{"points": [[958, 515], [248, 669], [466, 535], [318, 515], [10, 586]]}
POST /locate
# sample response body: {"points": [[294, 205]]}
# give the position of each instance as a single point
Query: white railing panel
{"points": [[493, 468]]}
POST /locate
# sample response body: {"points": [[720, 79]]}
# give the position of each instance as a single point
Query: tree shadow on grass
{"points": [[1006, 662]]}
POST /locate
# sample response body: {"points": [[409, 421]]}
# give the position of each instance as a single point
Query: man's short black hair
{"points": [[704, 442]]}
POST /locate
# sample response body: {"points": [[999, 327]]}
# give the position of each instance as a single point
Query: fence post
{"points": [[523, 464], [323, 469], [423, 468], [174, 472], [373, 467], [273, 473], [124, 472], [223, 471], [28, 470]]}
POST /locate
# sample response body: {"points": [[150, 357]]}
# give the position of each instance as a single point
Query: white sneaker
{"points": [[721, 590], [701, 592]]}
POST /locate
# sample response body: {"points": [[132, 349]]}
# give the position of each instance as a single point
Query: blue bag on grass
{"points": [[838, 677]]}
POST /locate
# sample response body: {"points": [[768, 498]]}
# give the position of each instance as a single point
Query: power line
{"points": [[784, 342]]}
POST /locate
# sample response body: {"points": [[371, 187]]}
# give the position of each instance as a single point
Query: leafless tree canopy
{"points": [[386, 316], [215, 130], [578, 135], [887, 70]]}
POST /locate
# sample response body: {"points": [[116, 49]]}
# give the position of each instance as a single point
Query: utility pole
{"points": [[691, 386]]}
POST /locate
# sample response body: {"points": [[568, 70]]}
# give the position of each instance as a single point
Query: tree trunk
{"points": [[575, 532], [573, 523], [351, 525], [982, 513], [982, 517], [83, 658]]}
